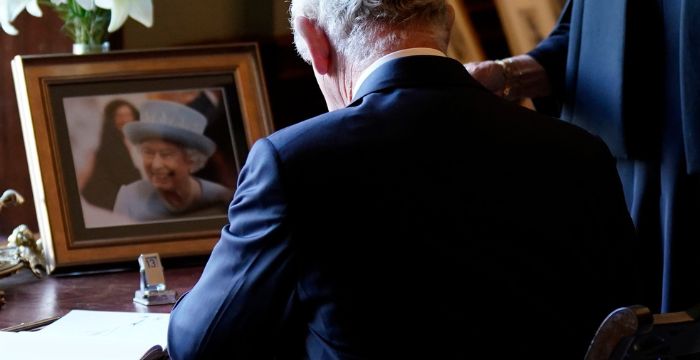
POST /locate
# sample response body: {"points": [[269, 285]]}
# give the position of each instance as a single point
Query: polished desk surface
{"points": [[30, 299]]}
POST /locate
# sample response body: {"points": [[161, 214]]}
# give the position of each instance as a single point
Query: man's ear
{"points": [[317, 43]]}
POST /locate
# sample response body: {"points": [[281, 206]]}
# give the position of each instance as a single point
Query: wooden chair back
{"points": [[633, 333]]}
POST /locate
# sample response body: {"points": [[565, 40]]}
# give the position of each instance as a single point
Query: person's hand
{"points": [[489, 74], [512, 78]]}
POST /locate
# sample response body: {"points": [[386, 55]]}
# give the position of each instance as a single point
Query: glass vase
{"points": [[81, 49]]}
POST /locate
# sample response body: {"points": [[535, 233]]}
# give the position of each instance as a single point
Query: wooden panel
{"points": [[487, 24], [464, 43], [527, 22], [36, 36]]}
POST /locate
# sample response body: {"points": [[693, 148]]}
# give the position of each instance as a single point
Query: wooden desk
{"points": [[30, 299]]}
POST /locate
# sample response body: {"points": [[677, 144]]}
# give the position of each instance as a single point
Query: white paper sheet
{"points": [[83, 334]]}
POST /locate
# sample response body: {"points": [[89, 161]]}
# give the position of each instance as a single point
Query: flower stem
{"points": [[81, 25]]}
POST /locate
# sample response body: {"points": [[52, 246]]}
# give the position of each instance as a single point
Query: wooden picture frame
{"points": [[464, 43], [527, 22], [62, 99]]}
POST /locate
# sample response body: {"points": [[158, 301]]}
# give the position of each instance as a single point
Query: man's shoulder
{"points": [[573, 136], [510, 134], [546, 130], [478, 116], [314, 130]]}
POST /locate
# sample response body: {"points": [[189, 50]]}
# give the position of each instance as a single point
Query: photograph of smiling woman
{"points": [[171, 146], [92, 150]]}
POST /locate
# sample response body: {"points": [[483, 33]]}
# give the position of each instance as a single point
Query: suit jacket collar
{"points": [[420, 70]]}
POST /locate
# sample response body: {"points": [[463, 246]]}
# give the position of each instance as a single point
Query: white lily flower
{"points": [[10, 9], [5, 19], [32, 8], [87, 4], [82, 26], [139, 10]]}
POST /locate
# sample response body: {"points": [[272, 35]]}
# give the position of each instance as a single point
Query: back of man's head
{"points": [[363, 30]]}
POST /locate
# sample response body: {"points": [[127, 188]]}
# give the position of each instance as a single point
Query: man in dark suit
{"points": [[422, 217]]}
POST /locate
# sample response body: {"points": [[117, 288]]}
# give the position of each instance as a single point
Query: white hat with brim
{"points": [[173, 122]]}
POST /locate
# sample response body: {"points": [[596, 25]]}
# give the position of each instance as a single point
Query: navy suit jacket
{"points": [[426, 219]]}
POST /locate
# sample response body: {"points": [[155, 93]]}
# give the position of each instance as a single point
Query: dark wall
{"points": [[484, 17], [41, 39]]}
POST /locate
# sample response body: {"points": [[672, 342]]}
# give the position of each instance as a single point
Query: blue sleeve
{"points": [[239, 304], [551, 53]]}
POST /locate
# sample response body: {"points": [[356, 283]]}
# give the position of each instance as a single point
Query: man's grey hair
{"points": [[362, 30]]}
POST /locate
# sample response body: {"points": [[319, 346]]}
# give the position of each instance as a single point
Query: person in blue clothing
{"points": [[420, 218], [172, 147], [628, 72]]}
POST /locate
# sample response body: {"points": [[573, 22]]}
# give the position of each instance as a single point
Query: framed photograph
{"points": [[464, 42], [527, 22], [135, 152]]}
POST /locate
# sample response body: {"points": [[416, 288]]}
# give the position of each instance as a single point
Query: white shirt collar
{"points": [[391, 56]]}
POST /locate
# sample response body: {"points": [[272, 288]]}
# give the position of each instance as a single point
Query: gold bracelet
{"points": [[510, 80]]}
